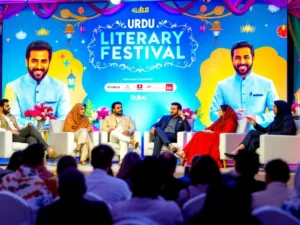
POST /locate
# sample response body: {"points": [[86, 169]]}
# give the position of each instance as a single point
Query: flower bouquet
{"points": [[102, 113], [189, 114], [41, 113], [296, 111], [97, 116]]}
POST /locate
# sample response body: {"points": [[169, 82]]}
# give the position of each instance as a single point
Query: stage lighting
{"points": [[115, 2]]}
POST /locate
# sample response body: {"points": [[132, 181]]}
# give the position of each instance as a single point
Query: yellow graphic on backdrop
{"points": [[267, 63], [63, 64]]}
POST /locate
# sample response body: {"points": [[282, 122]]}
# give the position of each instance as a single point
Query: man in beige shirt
{"points": [[120, 128]]}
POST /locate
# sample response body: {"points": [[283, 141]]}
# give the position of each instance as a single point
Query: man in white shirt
{"points": [[36, 87], [120, 128], [26, 135], [110, 188], [277, 176], [146, 182]]}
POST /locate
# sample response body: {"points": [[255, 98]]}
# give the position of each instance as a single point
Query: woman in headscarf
{"points": [[207, 142], [283, 124], [76, 122], [292, 204]]}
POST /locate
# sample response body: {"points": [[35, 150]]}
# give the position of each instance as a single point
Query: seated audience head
{"points": [[66, 162], [129, 161], [34, 155], [168, 162], [146, 178], [204, 170], [277, 171], [247, 164], [16, 160], [71, 185], [116, 108], [238, 200], [102, 157]]}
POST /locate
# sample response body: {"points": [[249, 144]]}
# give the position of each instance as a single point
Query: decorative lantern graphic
{"points": [[202, 27], [282, 31], [71, 81], [69, 31], [216, 29]]}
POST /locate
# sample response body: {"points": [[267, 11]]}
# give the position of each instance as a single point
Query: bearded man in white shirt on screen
{"points": [[36, 87]]}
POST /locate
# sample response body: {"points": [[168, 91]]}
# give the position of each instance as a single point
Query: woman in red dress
{"points": [[207, 142]]}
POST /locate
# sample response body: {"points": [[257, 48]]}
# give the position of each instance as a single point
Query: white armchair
{"points": [[104, 139], [63, 142], [149, 142], [7, 146], [285, 147], [230, 141]]}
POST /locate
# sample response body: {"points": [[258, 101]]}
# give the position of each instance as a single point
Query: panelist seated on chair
{"points": [[120, 128], [166, 129], [207, 142], [76, 122], [27, 134], [283, 124]]}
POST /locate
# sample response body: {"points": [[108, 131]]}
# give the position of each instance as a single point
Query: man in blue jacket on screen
{"points": [[165, 130], [36, 87], [246, 92]]}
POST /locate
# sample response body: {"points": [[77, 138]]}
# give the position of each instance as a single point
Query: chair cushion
{"points": [[19, 146], [243, 126]]}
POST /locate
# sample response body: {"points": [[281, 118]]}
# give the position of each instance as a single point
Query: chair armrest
{"points": [[229, 142], [181, 139], [103, 137], [147, 139], [189, 136], [6, 144], [95, 137], [62, 142], [285, 147]]}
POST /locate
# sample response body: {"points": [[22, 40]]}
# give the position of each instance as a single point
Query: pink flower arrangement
{"points": [[294, 108], [102, 113], [188, 113], [40, 112]]}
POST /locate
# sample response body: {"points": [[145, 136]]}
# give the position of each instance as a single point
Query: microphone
{"points": [[251, 93]]}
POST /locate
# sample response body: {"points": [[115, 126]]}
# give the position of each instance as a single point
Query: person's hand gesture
{"points": [[240, 113], [152, 130], [251, 119]]}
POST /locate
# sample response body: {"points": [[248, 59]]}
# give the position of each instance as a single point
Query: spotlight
{"points": [[115, 2]]}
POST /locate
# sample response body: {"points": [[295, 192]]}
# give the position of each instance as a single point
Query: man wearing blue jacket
{"points": [[165, 130]]}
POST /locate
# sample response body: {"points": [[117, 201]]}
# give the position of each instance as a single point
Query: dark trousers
{"points": [[162, 138], [251, 141], [31, 136]]}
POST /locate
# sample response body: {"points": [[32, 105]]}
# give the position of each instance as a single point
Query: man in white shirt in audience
{"points": [[277, 176], [110, 188], [146, 205]]}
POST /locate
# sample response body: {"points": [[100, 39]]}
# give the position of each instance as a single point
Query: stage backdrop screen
{"points": [[143, 55]]}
